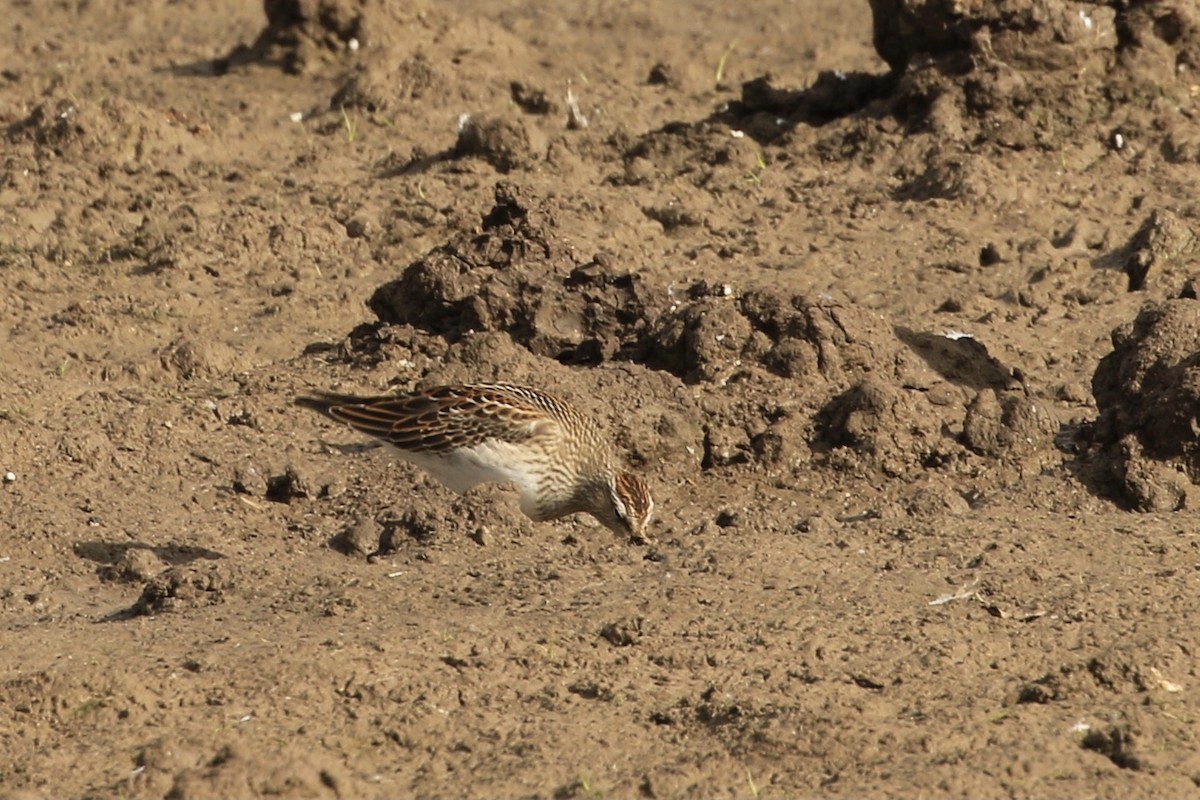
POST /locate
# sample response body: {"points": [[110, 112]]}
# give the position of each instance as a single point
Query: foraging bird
{"points": [[469, 434]]}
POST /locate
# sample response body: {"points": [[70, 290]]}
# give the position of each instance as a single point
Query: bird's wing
{"points": [[442, 419]]}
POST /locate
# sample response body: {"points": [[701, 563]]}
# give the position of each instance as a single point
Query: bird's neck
{"points": [[589, 495]]}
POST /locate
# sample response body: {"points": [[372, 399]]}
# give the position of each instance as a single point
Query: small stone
{"points": [[9, 477], [815, 524], [768, 447], [990, 255], [1074, 393], [362, 538], [136, 565], [623, 633], [288, 486], [933, 501], [248, 480], [334, 487], [725, 446], [661, 75]]}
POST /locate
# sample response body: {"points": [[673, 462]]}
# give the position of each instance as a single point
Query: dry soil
{"points": [[898, 320]]}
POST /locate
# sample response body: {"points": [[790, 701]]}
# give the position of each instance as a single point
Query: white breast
{"points": [[488, 462]]}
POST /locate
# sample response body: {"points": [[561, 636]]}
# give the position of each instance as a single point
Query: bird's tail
{"points": [[383, 416], [325, 402]]}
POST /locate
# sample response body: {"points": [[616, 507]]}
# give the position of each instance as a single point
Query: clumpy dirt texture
{"points": [[892, 302], [1148, 394]]}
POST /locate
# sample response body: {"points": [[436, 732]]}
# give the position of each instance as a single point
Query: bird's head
{"points": [[627, 508]]}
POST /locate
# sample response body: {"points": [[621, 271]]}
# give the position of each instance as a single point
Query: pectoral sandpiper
{"points": [[475, 433]]}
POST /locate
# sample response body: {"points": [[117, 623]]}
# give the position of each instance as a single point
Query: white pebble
{"points": [[296, 116], [352, 44], [9, 477]]}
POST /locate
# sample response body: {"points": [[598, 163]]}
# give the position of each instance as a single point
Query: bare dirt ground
{"points": [[898, 320]]}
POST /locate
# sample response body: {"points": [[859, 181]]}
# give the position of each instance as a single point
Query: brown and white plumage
{"points": [[469, 434]]}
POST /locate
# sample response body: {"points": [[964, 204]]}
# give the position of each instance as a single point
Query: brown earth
{"points": [[911, 359]]}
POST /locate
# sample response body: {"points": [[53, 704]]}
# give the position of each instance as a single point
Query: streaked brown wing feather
{"points": [[440, 419]]}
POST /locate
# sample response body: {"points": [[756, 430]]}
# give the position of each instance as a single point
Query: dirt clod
{"points": [[1117, 743], [184, 588], [1162, 241], [1147, 391], [136, 565], [623, 633], [290, 485]]}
